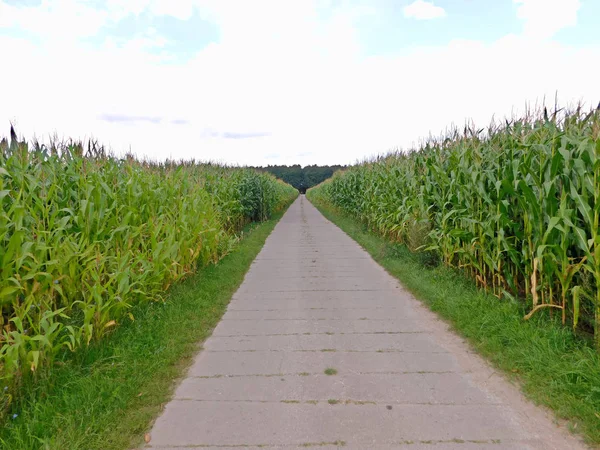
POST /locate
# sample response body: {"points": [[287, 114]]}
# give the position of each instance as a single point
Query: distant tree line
{"points": [[300, 177]]}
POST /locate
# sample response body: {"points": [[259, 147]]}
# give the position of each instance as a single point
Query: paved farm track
{"points": [[315, 302]]}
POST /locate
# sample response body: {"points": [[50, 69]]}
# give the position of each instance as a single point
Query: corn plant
{"points": [[85, 235], [516, 206]]}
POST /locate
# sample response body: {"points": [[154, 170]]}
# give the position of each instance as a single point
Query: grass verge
{"points": [[106, 397], [555, 368]]}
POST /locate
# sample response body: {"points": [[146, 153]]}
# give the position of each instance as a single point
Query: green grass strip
{"points": [[554, 367], [107, 397]]}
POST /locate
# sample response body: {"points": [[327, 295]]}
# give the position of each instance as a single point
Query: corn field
{"points": [[516, 206], [84, 236]]}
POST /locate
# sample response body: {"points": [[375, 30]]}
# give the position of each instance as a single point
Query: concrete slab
{"points": [[314, 314], [269, 327], [302, 284], [321, 300], [325, 296], [404, 342], [312, 300], [252, 423], [389, 389], [234, 363]]}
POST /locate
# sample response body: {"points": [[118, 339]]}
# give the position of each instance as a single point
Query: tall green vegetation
{"points": [[302, 178], [84, 236], [515, 206]]}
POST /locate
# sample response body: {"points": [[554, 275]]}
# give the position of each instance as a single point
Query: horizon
{"points": [[310, 83]]}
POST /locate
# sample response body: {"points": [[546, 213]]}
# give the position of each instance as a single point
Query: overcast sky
{"points": [[285, 81]]}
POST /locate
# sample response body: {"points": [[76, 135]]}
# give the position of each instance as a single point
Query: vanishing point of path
{"points": [[314, 300]]}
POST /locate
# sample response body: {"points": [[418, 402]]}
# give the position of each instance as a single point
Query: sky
{"points": [[257, 82]]}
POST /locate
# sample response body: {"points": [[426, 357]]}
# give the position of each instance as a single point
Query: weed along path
{"points": [[320, 347]]}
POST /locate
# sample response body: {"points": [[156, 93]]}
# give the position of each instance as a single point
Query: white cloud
{"points": [[180, 9], [294, 84], [423, 10], [544, 18], [54, 19]]}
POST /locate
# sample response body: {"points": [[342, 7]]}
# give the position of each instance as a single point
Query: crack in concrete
{"points": [[304, 444], [328, 350], [328, 333], [313, 309], [305, 374], [336, 401]]}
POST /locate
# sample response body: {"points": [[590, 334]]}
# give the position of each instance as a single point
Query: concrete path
{"points": [[314, 300]]}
